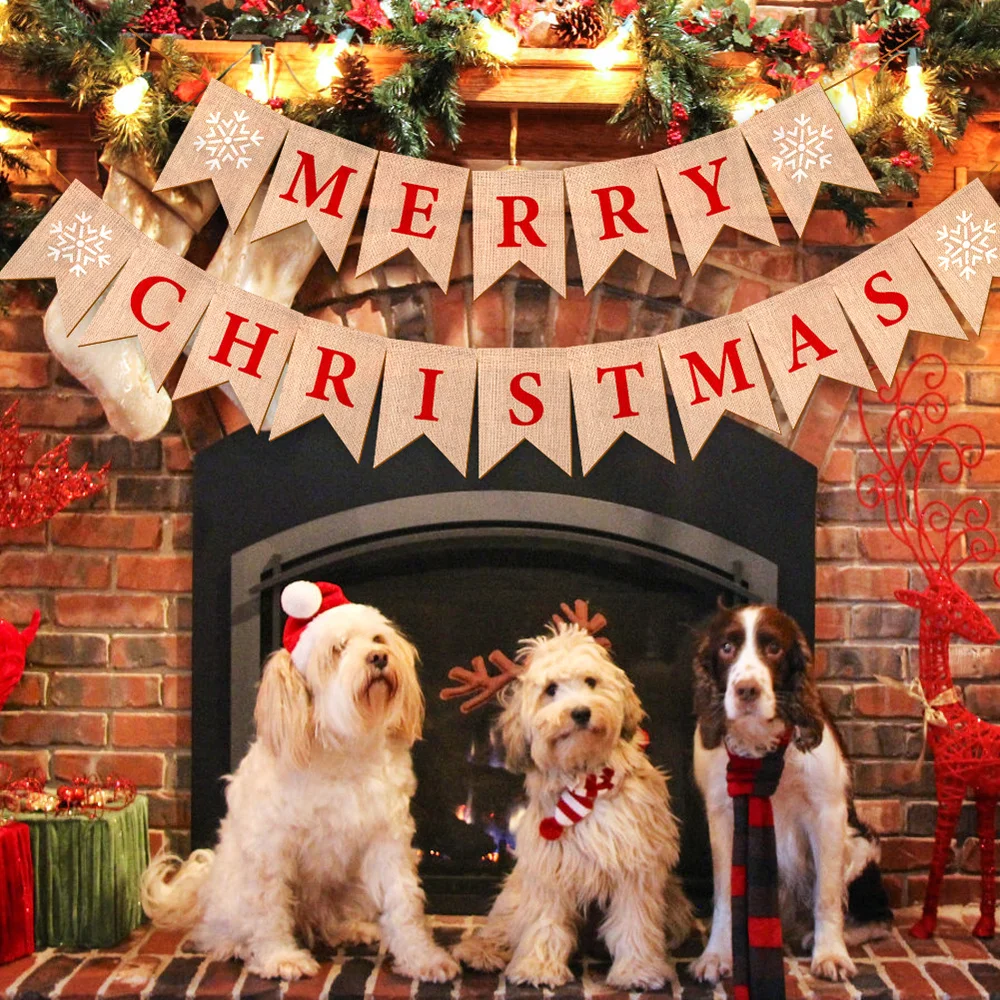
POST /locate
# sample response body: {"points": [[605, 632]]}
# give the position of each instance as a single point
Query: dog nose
{"points": [[378, 659], [748, 691], [581, 716]]}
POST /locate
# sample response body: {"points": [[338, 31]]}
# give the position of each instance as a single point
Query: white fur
{"points": [[316, 842], [621, 856]]}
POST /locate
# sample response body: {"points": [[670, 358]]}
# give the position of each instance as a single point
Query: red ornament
{"points": [[943, 537], [419, 15]]}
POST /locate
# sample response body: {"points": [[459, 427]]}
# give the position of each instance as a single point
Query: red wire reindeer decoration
{"points": [[943, 538]]}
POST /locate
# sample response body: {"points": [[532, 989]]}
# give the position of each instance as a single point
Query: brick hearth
{"points": [[157, 965]]}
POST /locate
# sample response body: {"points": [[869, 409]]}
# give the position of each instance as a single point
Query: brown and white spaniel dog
{"points": [[753, 683]]}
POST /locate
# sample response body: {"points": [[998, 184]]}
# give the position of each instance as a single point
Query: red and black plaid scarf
{"points": [[758, 957]]}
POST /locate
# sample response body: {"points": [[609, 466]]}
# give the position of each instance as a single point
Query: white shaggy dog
{"points": [[317, 839], [573, 715]]}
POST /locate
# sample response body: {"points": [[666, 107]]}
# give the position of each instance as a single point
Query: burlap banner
{"points": [[230, 140], [803, 334], [428, 389], [617, 206], [711, 183], [320, 179], [618, 389], [518, 216], [333, 372], [960, 241], [158, 297], [524, 395], [417, 206], [243, 340], [81, 243], [713, 367], [887, 292], [801, 143]]}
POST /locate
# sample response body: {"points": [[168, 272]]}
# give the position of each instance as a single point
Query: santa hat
{"points": [[305, 602]]}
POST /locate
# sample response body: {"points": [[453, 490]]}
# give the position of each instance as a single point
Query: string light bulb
{"points": [[499, 43], [915, 100], [606, 56], [257, 88], [845, 103], [327, 69], [746, 109], [128, 98]]}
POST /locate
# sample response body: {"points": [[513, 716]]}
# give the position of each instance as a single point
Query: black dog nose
{"points": [[748, 691], [378, 660], [581, 716]]}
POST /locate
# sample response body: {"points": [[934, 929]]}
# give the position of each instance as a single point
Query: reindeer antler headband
{"points": [[477, 686]]}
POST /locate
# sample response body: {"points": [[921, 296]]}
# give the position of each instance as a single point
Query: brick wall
{"points": [[108, 685]]}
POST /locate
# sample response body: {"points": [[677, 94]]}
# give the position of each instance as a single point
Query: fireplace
{"points": [[465, 566]]}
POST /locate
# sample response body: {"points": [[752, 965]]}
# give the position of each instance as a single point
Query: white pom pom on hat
{"points": [[303, 602], [301, 599]]}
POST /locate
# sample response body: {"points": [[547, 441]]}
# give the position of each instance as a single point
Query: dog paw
{"points": [[632, 976], [290, 963], [481, 953], [351, 932], [834, 964], [435, 966], [711, 967], [535, 972]]}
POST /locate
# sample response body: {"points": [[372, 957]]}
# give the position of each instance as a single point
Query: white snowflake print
{"points": [[966, 245], [80, 244], [801, 148], [228, 140]]}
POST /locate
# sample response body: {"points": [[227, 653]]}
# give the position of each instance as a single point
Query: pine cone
{"points": [[898, 38], [353, 88], [580, 27]]}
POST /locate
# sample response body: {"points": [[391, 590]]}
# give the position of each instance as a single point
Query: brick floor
{"points": [[158, 966]]}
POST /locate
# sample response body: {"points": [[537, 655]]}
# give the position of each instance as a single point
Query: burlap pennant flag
{"points": [[960, 240], [320, 179], [802, 334], [518, 216], [524, 395], [713, 367], [428, 389], [158, 297], [230, 140], [244, 340], [887, 292], [801, 143], [333, 372], [711, 183], [617, 206], [82, 243], [415, 205], [618, 389]]}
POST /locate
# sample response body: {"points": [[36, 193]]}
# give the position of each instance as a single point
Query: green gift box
{"points": [[87, 874]]}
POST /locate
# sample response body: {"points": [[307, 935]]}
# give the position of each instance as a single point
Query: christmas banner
{"points": [[617, 206], [803, 334], [524, 395], [82, 243], [429, 390], [618, 389], [232, 141], [887, 292], [713, 367], [959, 240], [320, 179], [801, 143], [158, 297], [243, 340], [417, 206], [518, 216], [711, 183], [333, 372]]}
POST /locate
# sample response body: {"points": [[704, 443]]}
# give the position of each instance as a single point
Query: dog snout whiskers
{"points": [[748, 691], [378, 659], [581, 716]]}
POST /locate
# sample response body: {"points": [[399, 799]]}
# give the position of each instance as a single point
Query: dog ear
{"points": [[709, 704], [803, 707], [511, 731], [407, 723], [634, 713], [284, 710]]}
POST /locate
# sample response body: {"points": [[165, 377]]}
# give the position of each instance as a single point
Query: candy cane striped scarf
{"points": [[758, 957]]}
